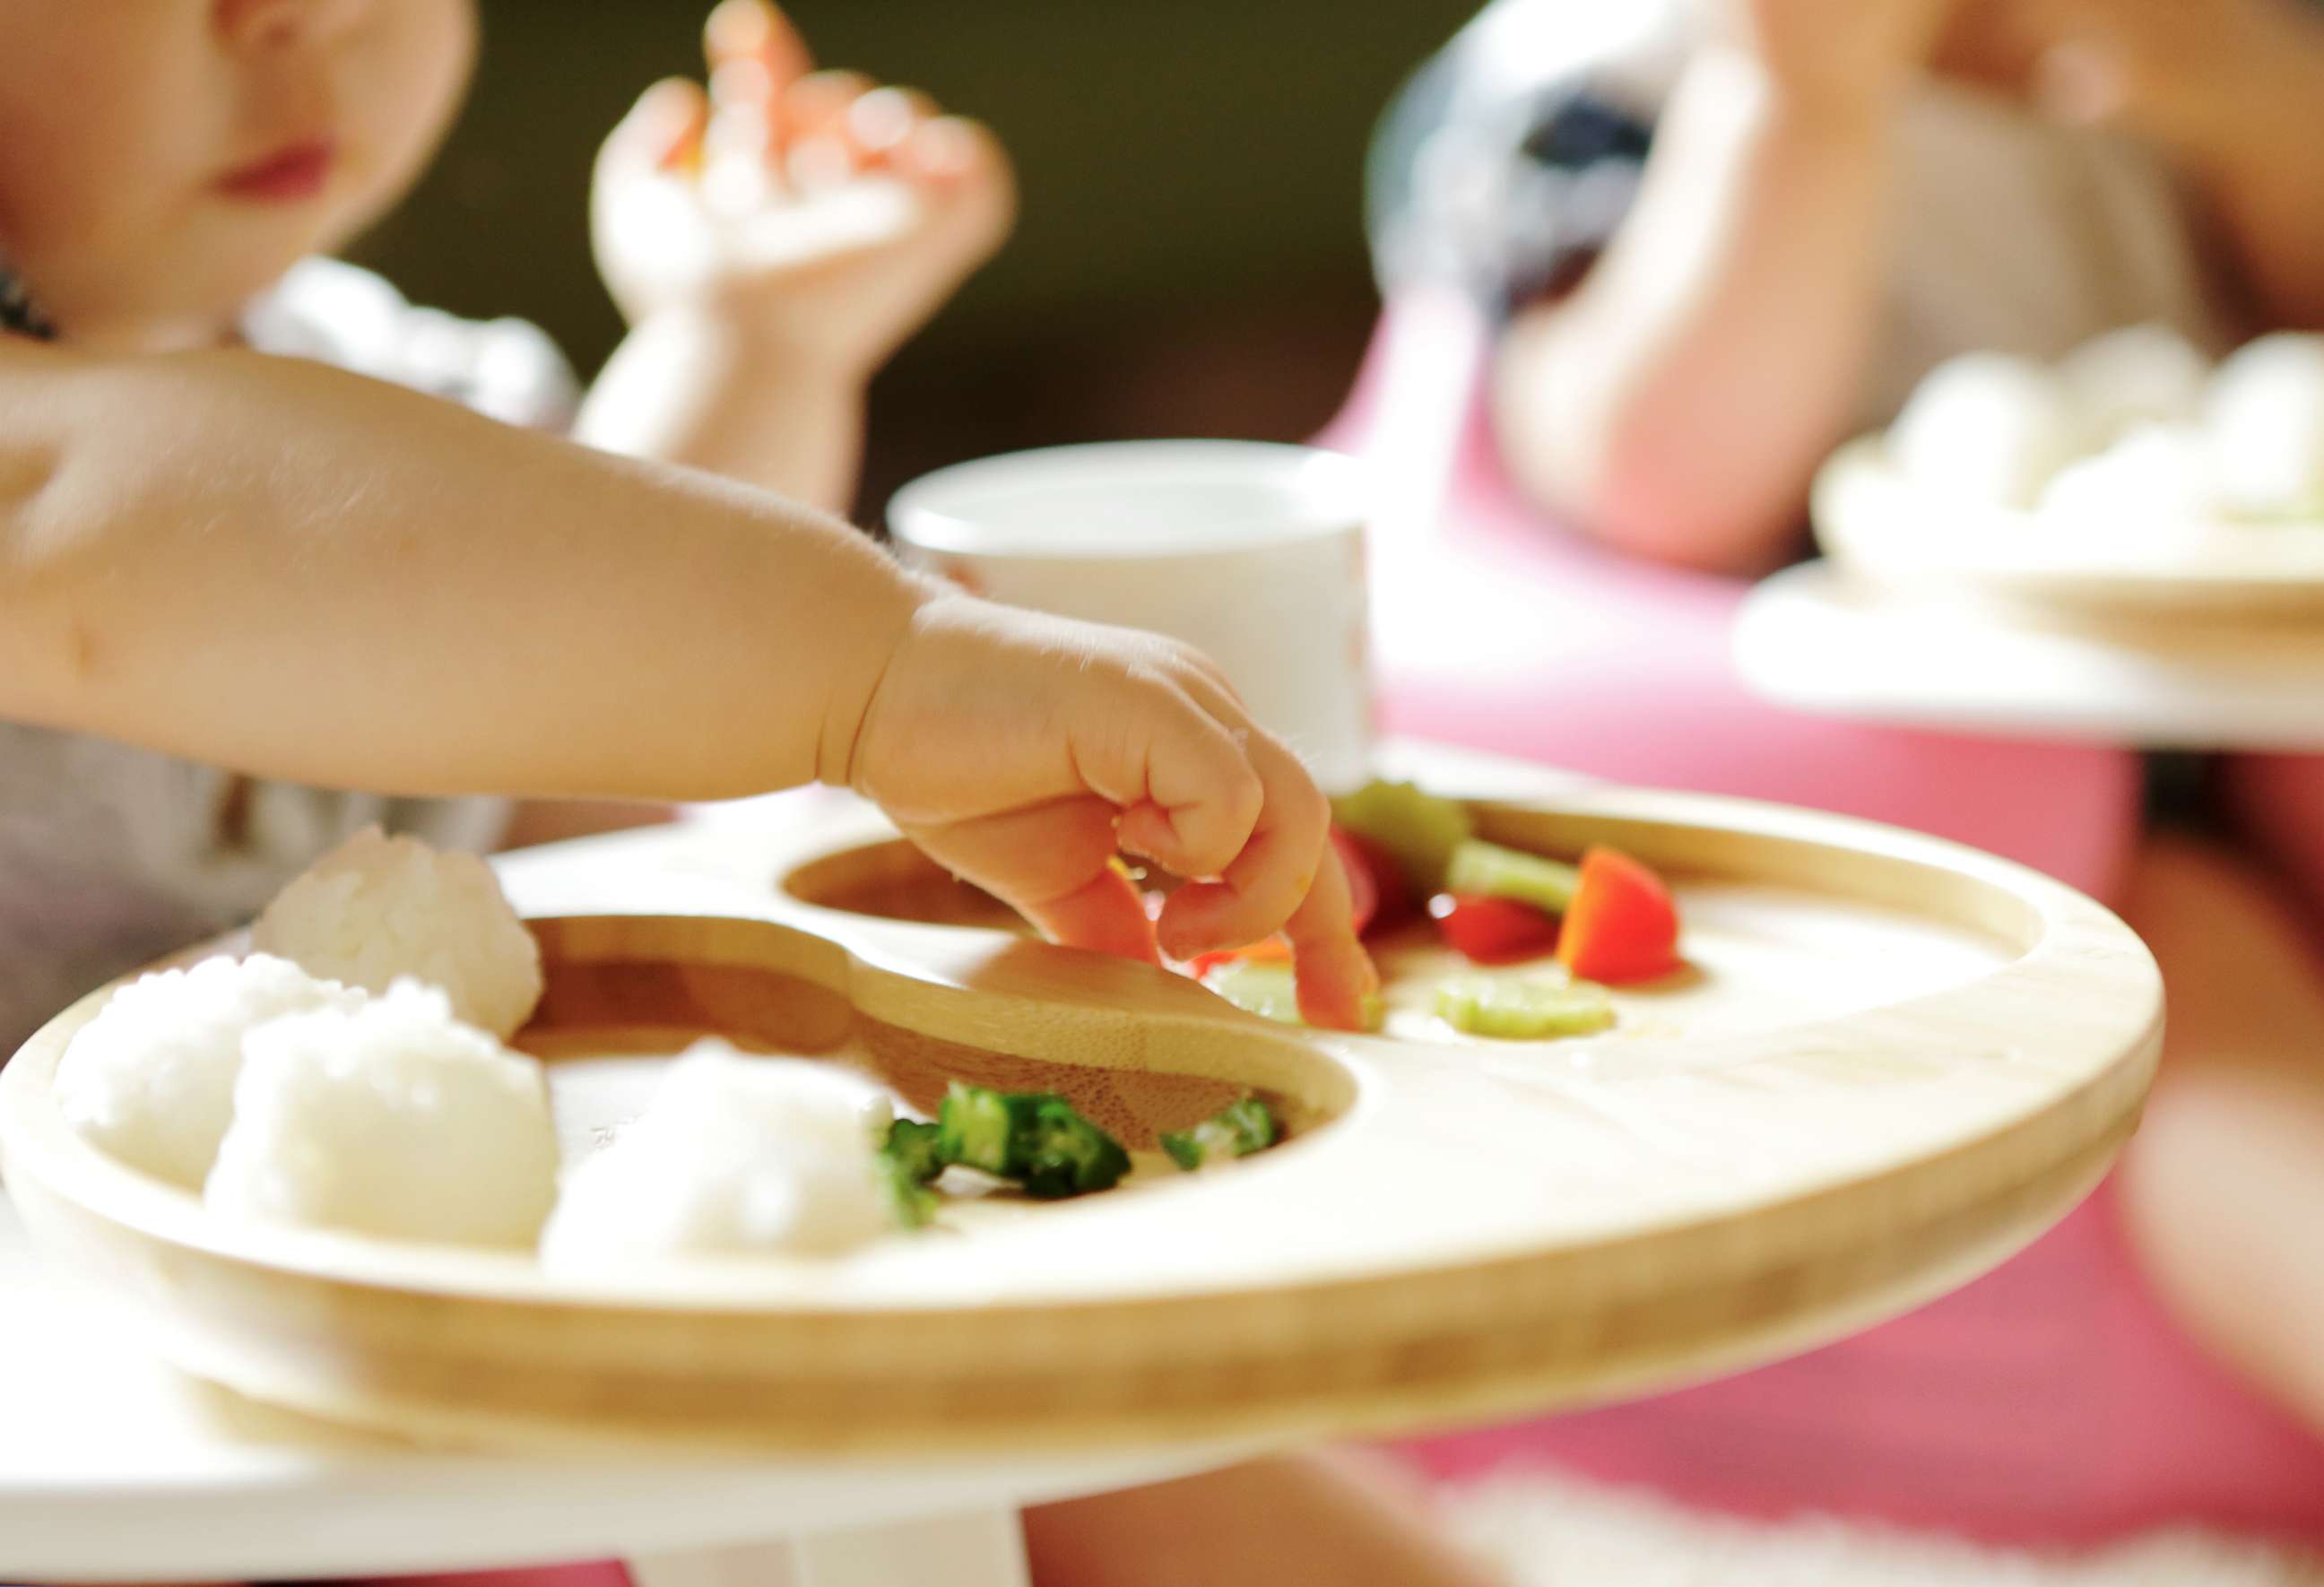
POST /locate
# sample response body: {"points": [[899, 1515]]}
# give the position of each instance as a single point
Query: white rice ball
{"points": [[2155, 477], [377, 909], [1986, 428], [2264, 424], [150, 1079], [735, 1155], [2140, 375], [391, 1119]]}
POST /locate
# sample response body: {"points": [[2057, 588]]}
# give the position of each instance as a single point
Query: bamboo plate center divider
{"points": [[1900, 1061]]}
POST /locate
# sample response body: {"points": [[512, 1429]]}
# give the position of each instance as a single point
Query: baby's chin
{"points": [[239, 262], [197, 303]]}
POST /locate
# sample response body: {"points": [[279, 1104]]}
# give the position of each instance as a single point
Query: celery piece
{"points": [[1418, 831], [1524, 1007], [1488, 867]]}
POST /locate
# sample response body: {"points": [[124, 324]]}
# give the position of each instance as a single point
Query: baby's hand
{"points": [[809, 212], [1024, 752]]}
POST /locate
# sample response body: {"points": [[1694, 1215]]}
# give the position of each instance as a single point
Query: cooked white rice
{"points": [[150, 1079], [1986, 428], [735, 1155], [391, 1119], [2264, 419], [379, 908]]}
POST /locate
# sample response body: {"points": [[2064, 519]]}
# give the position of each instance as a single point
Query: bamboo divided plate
{"points": [[1894, 1061], [1869, 518]]}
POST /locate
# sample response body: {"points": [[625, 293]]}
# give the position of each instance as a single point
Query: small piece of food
{"points": [[1236, 1131], [1031, 1138], [1415, 832], [916, 1147], [1272, 950], [2156, 476], [1267, 987], [2140, 375], [150, 1079], [2264, 422], [912, 1159], [1622, 925], [391, 1119], [911, 1201], [1986, 428], [1495, 872], [738, 1156], [1524, 1007], [1492, 930], [377, 909], [1263, 987]]}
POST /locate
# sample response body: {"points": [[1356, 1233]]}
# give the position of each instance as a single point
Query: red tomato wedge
{"points": [[1493, 930], [1622, 925], [1370, 879]]}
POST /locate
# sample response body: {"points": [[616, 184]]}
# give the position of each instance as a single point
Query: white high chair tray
{"points": [[116, 1467], [1897, 1061]]}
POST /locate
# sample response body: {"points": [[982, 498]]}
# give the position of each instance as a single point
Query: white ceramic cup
{"points": [[1253, 553]]}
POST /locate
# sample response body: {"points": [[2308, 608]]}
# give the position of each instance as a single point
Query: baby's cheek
{"points": [[400, 77], [101, 122]]}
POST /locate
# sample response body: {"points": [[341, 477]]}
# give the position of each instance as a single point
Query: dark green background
{"points": [[1190, 258]]}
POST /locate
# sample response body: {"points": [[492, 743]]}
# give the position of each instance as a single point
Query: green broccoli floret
{"points": [[914, 1146], [915, 1204], [980, 1129], [1236, 1131], [1035, 1138], [1070, 1156]]}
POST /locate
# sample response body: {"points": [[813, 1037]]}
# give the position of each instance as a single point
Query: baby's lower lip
{"points": [[300, 171]]}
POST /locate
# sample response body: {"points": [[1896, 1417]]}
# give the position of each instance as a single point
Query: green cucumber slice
{"points": [[1524, 1007], [1267, 987]]}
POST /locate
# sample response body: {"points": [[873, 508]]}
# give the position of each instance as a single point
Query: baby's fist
{"points": [[1024, 752]]}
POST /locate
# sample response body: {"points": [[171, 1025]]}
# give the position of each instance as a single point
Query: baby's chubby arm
{"points": [[303, 574], [1676, 404], [298, 573]]}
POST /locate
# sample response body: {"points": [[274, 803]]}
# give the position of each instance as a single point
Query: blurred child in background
{"points": [[1713, 240]]}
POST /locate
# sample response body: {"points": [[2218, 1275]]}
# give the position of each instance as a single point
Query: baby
{"points": [[233, 584]]}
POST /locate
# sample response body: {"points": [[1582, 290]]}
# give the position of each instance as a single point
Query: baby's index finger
{"points": [[1338, 985]]}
